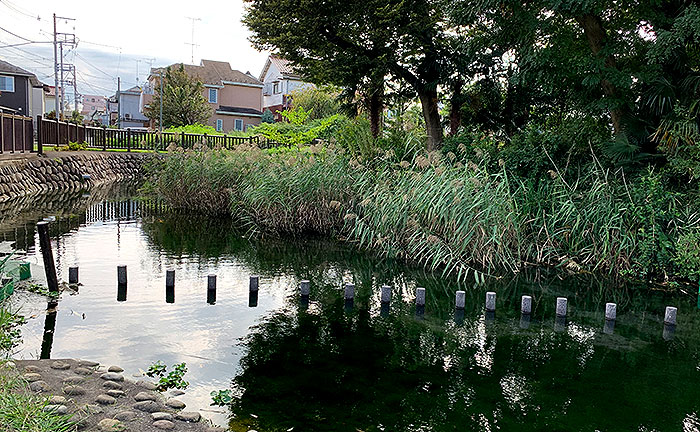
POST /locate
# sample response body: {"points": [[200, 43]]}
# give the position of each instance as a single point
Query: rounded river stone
{"points": [[112, 385], [112, 376], [74, 390], [144, 396], [175, 404], [105, 400], [148, 406], [164, 424], [162, 416]]}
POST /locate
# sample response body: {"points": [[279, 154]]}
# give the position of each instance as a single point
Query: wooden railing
{"points": [[16, 133], [53, 132]]}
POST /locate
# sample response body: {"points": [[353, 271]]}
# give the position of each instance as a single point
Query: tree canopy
{"points": [[183, 100], [501, 64]]}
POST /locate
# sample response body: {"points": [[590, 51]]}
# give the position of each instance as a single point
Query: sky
{"points": [[125, 41]]}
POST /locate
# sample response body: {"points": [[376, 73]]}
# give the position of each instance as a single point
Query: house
{"points": [[94, 108], [125, 109], [279, 80], [20, 91], [49, 99], [235, 97]]}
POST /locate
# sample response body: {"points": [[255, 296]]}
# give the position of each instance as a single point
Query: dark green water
{"points": [[324, 366]]}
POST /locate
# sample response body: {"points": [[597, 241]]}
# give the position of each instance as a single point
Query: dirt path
{"points": [[101, 399]]}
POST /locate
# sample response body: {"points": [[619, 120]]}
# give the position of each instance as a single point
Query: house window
{"points": [[7, 84], [213, 95], [238, 125], [276, 88], [219, 125]]}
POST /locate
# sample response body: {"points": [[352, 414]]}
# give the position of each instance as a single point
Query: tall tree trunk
{"points": [[429, 104], [597, 38], [456, 107], [376, 108]]}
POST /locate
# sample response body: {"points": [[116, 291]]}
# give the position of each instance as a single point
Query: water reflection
{"points": [[319, 364]]}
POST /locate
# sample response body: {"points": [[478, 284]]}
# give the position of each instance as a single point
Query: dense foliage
{"points": [[455, 215], [183, 100], [631, 68]]}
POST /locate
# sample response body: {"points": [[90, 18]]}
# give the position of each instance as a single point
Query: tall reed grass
{"points": [[456, 218]]}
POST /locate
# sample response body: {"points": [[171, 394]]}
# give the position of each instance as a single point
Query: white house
{"points": [[279, 80]]}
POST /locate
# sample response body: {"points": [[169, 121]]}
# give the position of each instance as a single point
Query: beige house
{"points": [[235, 97]]}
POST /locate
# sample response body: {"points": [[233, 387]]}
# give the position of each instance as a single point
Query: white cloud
{"points": [[116, 41]]}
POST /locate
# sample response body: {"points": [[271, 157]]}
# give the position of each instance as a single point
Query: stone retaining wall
{"points": [[65, 171]]}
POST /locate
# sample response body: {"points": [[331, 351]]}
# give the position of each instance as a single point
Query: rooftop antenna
{"points": [[192, 44]]}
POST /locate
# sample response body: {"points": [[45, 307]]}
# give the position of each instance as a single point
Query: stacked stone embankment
{"points": [[73, 171]]}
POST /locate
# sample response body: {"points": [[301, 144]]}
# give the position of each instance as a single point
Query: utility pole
{"points": [[63, 95], [69, 40], [55, 68], [119, 105], [160, 121], [192, 44]]}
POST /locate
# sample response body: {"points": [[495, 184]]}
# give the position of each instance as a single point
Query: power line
{"points": [[23, 43], [19, 11], [93, 66]]}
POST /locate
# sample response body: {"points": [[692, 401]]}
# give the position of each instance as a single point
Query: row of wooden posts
{"points": [[305, 288]]}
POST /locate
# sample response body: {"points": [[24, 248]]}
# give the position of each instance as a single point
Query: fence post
{"points": [[2, 132], [58, 133], [39, 138], [128, 139], [104, 138], [14, 137], [182, 139]]}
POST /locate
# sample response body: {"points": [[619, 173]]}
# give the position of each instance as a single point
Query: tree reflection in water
{"points": [[331, 371]]}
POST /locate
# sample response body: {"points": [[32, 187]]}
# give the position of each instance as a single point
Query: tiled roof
{"points": [[285, 67], [239, 110], [214, 73], [11, 69]]}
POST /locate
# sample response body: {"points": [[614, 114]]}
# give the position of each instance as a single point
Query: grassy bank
{"points": [[22, 410], [454, 216]]}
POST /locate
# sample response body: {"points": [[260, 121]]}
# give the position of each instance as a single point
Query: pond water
{"points": [[328, 366]]}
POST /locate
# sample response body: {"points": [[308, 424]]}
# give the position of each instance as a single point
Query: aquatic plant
{"points": [[463, 219], [173, 379]]}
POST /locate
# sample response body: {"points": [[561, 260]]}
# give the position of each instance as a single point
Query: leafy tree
{"points": [[318, 101], [267, 116], [183, 100], [360, 45]]}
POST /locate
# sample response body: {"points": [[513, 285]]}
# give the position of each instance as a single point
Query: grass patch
{"points": [[22, 410]]}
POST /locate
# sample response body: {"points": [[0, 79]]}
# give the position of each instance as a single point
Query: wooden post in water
{"points": [[121, 275], [386, 294], [49, 265], [73, 275], [349, 291], [561, 306], [211, 289], [305, 288], [670, 315], [460, 300], [420, 296], [254, 283], [170, 286], [526, 305], [121, 283], [610, 311], [490, 301]]}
